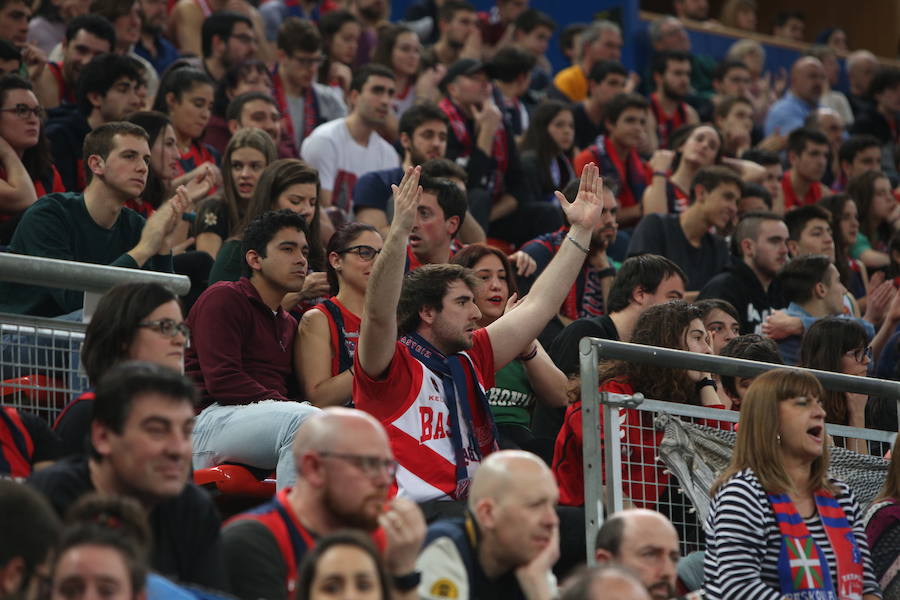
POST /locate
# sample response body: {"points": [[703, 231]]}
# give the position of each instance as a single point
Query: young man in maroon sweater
{"points": [[241, 353]]}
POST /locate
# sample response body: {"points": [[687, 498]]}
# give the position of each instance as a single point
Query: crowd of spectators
{"points": [[396, 234]]}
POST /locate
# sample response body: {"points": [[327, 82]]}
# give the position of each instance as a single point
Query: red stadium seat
{"points": [[235, 481]]}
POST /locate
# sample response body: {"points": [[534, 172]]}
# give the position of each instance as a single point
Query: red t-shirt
{"points": [[409, 402]]}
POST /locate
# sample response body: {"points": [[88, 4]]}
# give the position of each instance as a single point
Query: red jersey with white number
{"points": [[409, 402]]}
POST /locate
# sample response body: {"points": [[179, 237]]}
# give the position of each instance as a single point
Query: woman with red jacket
{"points": [[677, 325]]}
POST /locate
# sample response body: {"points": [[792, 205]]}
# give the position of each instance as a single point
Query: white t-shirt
{"points": [[340, 160]]}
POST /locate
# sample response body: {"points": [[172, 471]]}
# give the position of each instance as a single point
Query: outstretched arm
{"points": [[378, 330], [513, 331]]}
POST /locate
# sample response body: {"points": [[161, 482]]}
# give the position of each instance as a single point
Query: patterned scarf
{"points": [[802, 566], [632, 172], [499, 150], [455, 372], [310, 107]]}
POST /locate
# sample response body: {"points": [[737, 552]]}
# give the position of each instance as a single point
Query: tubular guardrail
{"points": [[592, 350], [92, 279]]}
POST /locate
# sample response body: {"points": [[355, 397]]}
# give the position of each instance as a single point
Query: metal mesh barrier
{"points": [[39, 364], [697, 440], [39, 358]]}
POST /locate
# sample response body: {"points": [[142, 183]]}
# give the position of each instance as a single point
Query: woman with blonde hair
{"points": [[778, 526], [740, 14]]}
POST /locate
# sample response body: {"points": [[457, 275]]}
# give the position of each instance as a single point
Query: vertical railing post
{"points": [[592, 456]]}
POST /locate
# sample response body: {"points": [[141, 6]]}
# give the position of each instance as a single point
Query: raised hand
{"points": [[587, 209], [525, 265], [406, 199]]}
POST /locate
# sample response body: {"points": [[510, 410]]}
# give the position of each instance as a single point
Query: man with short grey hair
{"points": [[601, 41]]}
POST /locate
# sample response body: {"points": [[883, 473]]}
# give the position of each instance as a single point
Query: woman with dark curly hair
{"points": [[677, 325]]}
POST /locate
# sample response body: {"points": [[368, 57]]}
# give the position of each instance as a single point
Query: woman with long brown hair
{"points": [[677, 325], [778, 526]]}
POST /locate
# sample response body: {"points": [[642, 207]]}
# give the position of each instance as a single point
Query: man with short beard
{"points": [[344, 473], [672, 81], [228, 40], [153, 45], [588, 293], [644, 541]]}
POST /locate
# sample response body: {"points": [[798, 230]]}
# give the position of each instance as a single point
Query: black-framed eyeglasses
{"points": [[367, 253], [372, 466], [860, 355], [23, 111], [169, 328]]}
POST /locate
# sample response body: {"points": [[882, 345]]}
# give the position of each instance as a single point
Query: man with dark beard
{"points": [[588, 295], [672, 82], [345, 469], [153, 45]]}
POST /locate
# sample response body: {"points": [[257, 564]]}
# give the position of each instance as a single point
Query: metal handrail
{"points": [[591, 350], [86, 277]]}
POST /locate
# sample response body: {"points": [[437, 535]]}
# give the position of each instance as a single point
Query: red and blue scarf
{"points": [[499, 150], [455, 372], [803, 569], [632, 172]]}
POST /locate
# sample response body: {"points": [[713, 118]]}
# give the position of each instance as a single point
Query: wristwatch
{"points": [[405, 583], [706, 381]]}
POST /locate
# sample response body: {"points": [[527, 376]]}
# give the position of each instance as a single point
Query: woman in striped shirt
{"points": [[778, 526]]}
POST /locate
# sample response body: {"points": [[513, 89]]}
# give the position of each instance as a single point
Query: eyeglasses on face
{"points": [[372, 466], [168, 328], [366, 253], [23, 111], [860, 355]]}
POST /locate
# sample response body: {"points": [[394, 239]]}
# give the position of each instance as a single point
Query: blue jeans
{"points": [[260, 435]]}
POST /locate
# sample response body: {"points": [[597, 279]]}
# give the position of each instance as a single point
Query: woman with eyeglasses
{"points": [[248, 153], [324, 348], [840, 346], [133, 321], [26, 165]]}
